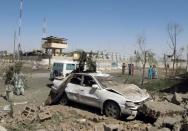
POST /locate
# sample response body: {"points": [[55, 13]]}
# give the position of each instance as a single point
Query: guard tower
{"points": [[54, 45]]}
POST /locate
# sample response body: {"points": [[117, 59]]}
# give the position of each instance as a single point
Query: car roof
{"points": [[95, 74], [66, 62]]}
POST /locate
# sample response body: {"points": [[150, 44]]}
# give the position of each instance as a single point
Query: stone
{"points": [[177, 127], [45, 115], [157, 129], [152, 128], [168, 121], [111, 127], [168, 97], [156, 109], [81, 120], [2, 128], [164, 129], [28, 115], [184, 127], [96, 119], [177, 98], [41, 130]]}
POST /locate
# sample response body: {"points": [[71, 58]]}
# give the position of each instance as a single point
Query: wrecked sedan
{"points": [[99, 90]]}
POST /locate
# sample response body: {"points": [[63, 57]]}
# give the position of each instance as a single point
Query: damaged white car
{"points": [[99, 90]]}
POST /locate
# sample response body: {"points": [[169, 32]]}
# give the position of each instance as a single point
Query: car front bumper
{"points": [[130, 111]]}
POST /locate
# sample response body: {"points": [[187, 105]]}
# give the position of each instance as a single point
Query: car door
{"points": [[73, 87], [88, 94]]}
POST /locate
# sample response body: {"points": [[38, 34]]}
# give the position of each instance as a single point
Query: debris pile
{"points": [[44, 114], [160, 109], [171, 113], [28, 115]]}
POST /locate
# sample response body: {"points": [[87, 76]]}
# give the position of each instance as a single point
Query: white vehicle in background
{"points": [[61, 69], [103, 91]]}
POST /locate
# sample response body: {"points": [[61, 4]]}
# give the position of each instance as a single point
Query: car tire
{"points": [[48, 100], [111, 109], [64, 99]]}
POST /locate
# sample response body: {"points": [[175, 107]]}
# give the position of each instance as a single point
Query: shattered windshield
{"points": [[109, 81]]}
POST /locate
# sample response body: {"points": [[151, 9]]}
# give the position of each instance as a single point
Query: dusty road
{"points": [[72, 117]]}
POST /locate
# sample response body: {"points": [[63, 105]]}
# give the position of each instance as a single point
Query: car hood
{"points": [[131, 92]]}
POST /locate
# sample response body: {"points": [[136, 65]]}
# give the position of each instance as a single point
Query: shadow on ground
{"points": [[180, 87], [140, 116]]}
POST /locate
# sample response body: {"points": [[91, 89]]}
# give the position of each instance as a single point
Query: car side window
{"points": [[70, 66], [88, 81], [77, 79]]}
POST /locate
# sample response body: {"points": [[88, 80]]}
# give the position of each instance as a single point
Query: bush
{"points": [[10, 72]]}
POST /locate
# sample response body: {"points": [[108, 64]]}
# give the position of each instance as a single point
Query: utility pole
{"points": [[14, 51], [44, 33], [19, 30], [44, 28]]}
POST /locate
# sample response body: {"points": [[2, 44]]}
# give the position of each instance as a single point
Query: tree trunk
{"points": [[143, 69], [165, 64], [174, 61], [187, 64]]}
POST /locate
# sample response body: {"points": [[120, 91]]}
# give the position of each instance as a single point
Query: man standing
{"points": [[150, 72], [123, 68]]}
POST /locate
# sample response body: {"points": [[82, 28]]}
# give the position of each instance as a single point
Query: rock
{"points": [[2, 128], [81, 120], [184, 127], [164, 129], [157, 129], [176, 127], [168, 97], [45, 115], [41, 130], [96, 119], [186, 106], [111, 127], [152, 128], [177, 98], [168, 121], [28, 115], [155, 109]]}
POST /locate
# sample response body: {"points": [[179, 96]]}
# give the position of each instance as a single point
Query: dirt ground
{"points": [[74, 117]]}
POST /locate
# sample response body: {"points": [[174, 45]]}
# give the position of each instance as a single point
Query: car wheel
{"points": [[64, 99], [111, 109], [49, 99]]}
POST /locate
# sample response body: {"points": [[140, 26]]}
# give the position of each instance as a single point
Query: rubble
{"points": [[45, 115], [97, 118], [168, 121], [184, 127], [112, 127], [155, 109], [2, 128], [176, 99], [157, 129], [168, 97], [28, 115]]}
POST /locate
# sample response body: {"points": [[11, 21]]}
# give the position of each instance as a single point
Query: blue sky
{"points": [[111, 25]]}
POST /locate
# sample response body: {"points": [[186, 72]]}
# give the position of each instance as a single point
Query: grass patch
{"points": [[22, 127], [149, 85], [159, 84]]}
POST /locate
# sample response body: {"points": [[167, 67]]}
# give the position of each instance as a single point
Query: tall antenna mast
{"points": [[19, 29], [14, 51], [43, 31], [44, 28]]}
